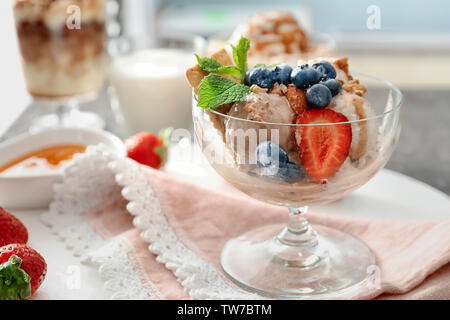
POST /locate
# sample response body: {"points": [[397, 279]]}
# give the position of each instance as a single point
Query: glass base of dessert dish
{"points": [[66, 113], [299, 261]]}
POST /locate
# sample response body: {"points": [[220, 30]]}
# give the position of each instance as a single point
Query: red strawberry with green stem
{"points": [[11, 229], [22, 271], [148, 149], [323, 149]]}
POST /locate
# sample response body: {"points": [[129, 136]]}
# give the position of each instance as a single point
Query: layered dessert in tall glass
{"points": [[61, 42]]}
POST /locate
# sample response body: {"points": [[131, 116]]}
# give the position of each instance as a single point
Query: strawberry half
{"points": [[323, 149], [22, 271], [12, 229], [297, 99]]}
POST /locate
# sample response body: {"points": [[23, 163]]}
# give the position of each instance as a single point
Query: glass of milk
{"points": [[148, 89]]}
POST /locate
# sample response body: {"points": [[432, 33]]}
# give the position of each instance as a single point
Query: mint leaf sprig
{"points": [[240, 55], [240, 59], [208, 64], [216, 90]]}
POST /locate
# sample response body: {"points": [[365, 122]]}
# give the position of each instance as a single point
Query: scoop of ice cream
{"points": [[244, 136], [364, 133], [351, 103], [269, 108]]}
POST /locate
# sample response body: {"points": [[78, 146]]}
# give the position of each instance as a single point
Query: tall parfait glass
{"points": [[63, 60]]}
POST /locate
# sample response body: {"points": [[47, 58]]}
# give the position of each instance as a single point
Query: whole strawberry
{"points": [[22, 271], [11, 229], [148, 149]]}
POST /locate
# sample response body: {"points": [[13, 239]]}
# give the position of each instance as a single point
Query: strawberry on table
{"points": [[12, 229], [22, 271], [323, 149], [148, 148]]}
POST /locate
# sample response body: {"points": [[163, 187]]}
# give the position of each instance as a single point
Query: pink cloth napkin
{"points": [[413, 256]]}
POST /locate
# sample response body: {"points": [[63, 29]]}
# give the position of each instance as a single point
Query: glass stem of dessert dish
{"points": [[61, 43], [294, 136]]}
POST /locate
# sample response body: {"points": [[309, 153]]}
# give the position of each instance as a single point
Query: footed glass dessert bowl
{"points": [[319, 158]]}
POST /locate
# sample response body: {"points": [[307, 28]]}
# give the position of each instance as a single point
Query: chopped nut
{"points": [[256, 89], [279, 89], [342, 63], [353, 86]]}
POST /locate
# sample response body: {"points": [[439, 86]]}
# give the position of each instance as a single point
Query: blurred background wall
{"points": [[413, 36], [208, 16]]}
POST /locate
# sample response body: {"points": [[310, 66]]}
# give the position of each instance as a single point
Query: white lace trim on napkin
{"points": [[197, 276], [84, 185], [120, 277], [82, 188]]}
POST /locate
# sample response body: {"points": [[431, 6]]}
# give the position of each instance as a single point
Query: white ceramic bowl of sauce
{"points": [[21, 188]]}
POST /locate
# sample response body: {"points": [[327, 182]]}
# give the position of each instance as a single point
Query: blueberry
{"points": [[291, 173], [334, 85], [326, 70], [261, 76], [269, 154], [304, 77], [318, 96], [282, 74]]}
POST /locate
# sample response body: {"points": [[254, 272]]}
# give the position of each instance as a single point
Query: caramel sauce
{"points": [[54, 155]]}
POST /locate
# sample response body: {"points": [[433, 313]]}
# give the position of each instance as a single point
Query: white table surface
{"points": [[388, 195]]}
